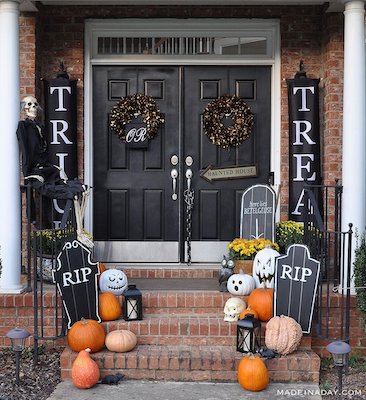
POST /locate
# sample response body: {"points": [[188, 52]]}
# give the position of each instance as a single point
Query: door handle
{"points": [[174, 175], [189, 175]]}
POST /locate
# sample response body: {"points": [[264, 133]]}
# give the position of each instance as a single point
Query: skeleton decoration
{"points": [[30, 107], [264, 267], [226, 270], [233, 307], [114, 281]]}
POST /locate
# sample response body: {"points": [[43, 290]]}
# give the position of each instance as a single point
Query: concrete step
{"points": [[217, 363]]}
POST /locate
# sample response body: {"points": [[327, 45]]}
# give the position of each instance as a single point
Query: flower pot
{"points": [[245, 265]]}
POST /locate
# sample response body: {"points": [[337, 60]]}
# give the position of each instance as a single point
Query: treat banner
{"points": [[304, 141]]}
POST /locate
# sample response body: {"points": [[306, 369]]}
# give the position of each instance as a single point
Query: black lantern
{"points": [[17, 337], [132, 310], [248, 334]]}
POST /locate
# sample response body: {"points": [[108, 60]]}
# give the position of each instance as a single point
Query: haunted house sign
{"points": [[304, 137], [76, 279], [296, 282], [257, 217]]}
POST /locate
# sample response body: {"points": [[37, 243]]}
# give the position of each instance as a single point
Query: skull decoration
{"points": [[30, 106], [114, 281], [264, 267], [233, 307]]}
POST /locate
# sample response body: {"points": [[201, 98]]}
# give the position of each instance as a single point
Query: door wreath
{"points": [[225, 107], [129, 108]]}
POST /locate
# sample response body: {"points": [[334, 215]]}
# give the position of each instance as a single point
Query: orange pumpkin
{"points": [[252, 373], [120, 341], [84, 334], [84, 371], [110, 308], [102, 268], [248, 310], [261, 300]]}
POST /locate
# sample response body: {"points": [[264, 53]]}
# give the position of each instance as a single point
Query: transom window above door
{"points": [[239, 39]]}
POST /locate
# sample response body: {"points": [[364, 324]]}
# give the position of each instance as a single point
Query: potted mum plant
{"points": [[288, 233], [243, 251]]}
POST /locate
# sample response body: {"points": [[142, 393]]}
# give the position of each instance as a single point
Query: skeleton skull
{"points": [[31, 107], [233, 307]]}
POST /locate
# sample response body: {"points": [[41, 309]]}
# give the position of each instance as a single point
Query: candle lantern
{"points": [[17, 337], [132, 309], [248, 334]]}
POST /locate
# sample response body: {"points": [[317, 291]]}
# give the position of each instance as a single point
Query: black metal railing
{"points": [[41, 245], [333, 249]]}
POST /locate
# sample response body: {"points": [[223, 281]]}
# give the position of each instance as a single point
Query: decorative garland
{"points": [[129, 108], [227, 107]]}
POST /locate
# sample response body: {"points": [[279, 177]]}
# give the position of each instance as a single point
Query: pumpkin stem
{"points": [[88, 350]]}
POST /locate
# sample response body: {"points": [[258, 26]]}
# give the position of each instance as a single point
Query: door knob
{"points": [[174, 175]]}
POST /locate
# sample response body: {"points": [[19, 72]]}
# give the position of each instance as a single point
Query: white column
{"points": [[354, 125], [10, 240]]}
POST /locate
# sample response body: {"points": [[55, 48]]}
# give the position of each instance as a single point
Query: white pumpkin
{"points": [[114, 281], [240, 284], [264, 267]]}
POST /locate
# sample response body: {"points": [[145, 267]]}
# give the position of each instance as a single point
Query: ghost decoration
{"points": [[241, 284], [264, 267], [233, 307], [114, 281]]}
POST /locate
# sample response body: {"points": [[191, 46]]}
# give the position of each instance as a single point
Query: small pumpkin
{"points": [[114, 281], [102, 268], [283, 334], [247, 311], [120, 341], [261, 300], [110, 308], [252, 373], [84, 371], [84, 334], [240, 284]]}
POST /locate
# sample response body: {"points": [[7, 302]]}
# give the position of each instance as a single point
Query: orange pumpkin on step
{"points": [[84, 334], [252, 373], [247, 311], [110, 307], [84, 371], [261, 300]]}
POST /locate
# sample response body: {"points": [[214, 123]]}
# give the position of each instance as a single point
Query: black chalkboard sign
{"points": [[296, 283], [76, 279], [257, 219], [136, 134]]}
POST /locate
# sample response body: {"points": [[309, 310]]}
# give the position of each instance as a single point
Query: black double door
{"points": [[140, 214]]}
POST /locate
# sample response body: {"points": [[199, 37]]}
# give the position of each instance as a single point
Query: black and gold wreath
{"points": [[129, 108], [227, 107]]}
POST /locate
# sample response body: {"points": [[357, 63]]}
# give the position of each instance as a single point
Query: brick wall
{"points": [[307, 33]]}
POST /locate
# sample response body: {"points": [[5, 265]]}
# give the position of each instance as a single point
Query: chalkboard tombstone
{"points": [[136, 134], [257, 218], [296, 283], [76, 277]]}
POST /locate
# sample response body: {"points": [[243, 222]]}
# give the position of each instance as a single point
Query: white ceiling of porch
{"points": [[334, 5]]}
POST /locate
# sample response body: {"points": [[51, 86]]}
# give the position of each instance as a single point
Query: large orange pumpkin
{"points": [[252, 373], [110, 308], [120, 341], [84, 371], [247, 311], [84, 334], [261, 300]]}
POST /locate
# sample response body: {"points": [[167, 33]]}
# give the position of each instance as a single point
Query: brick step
{"points": [[194, 363], [164, 272], [205, 330]]}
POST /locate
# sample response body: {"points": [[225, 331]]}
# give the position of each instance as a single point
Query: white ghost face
{"points": [[114, 281], [31, 107]]}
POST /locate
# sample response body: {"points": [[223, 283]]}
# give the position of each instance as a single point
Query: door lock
{"points": [[174, 159], [189, 161]]}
